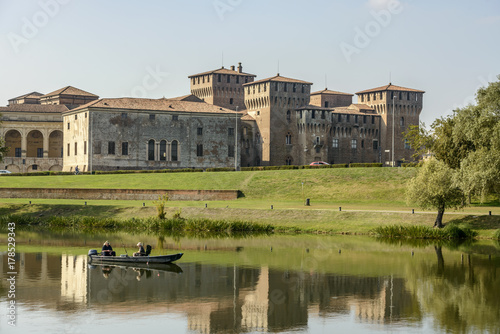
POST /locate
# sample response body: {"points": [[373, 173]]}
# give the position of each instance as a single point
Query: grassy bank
{"points": [[369, 198]]}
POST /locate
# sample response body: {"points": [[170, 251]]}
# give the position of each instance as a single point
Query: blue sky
{"points": [[148, 48]]}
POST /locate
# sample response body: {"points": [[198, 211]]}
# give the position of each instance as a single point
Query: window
{"points": [[68, 150], [237, 79], [392, 95], [218, 78], [34, 167], [364, 118], [68, 125], [375, 144], [174, 148], [368, 97], [374, 96], [326, 104], [313, 115], [124, 148], [199, 150], [17, 153], [340, 118], [400, 95], [230, 151], [199, 131], [39, 152], [76, 117], [300, 113], [84, 147], [85, 115], [408, 96], [356, 119], [228, 79], [335, 143], [246, 79], [347, 118], [124, 115], [362, 144], [288, 161], [288, 139], [303, 88], [373, 119], [381, 95], [175, 117], [163, 150], [76, 148], [97, 147], [402, 121], [322, 114], [407, 144], [151, 150], [230, 131], [294, 88], [152, 117], [276, 87], [288, 115], [354, 144], [285, 87], [231, 101], [111, 147], [318, 149]]}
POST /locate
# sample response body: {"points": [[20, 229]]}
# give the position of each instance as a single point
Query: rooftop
{"points": [[391, 87], [279, 78], [223, 70], [162, 104], [69, 90], [35, 108], [331, 92], [32, 95]]}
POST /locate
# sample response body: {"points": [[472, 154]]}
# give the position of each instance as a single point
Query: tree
{"points": [[433, 188]]}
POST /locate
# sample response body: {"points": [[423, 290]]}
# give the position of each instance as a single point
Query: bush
{"points": [[411, 164], [353, 165], [450, 231]]}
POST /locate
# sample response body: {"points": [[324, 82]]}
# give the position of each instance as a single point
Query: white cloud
{"points": [[381, 4]]}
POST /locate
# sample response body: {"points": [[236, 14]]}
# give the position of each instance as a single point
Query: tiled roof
{"points": [[391, 87], [31, 95], [355, 109], [155, 105], [223, 71], [279, 78], [189, 97], [330, 92], [35, 108], [247, 117], [69, 90]]}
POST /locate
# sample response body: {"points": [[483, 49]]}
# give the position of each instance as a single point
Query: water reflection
{"points": [[293, 289]]}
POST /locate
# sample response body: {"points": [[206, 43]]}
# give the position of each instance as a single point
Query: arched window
{"points": [[288, 161], [163, 150], [151, 150], [289, 139], [175, 151], [288, 115], [402, 121]]}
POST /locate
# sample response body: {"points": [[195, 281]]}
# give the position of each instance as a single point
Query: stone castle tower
{"points": [[222, 87], [399, 107], [272, 103]]}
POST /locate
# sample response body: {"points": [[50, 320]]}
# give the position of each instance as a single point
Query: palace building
{"points": [[229, 120]]}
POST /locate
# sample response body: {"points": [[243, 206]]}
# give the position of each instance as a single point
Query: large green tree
{"points": [[468, 144], [433, 188]]}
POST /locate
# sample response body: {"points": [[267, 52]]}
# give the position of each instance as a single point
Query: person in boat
{"points": [[141, 251], [107, 250]]}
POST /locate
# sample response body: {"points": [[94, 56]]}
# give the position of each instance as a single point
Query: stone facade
{"points": [[278, 121], [133, 134], [398, 107], [222, 87]]}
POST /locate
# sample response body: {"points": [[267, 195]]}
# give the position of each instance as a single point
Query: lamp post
{"points": [[236, 140], [393, 126]]}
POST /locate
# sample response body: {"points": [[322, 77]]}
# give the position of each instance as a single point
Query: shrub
{"points": [[353, 165]]}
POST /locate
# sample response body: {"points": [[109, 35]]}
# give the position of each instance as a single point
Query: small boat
{"points": [[159, 259]]}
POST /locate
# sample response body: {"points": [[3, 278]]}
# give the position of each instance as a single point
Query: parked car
{"points": [[318, 163], [3, 171]]}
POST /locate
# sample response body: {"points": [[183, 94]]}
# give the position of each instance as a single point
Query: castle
{"points": [[228, 120]]}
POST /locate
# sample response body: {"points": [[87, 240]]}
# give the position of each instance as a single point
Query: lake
{"points": [[252, 284]]}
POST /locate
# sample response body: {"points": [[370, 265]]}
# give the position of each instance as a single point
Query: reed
{"points": [[449, 232]]}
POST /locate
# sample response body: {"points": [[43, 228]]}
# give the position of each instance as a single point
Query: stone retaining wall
{"points": [[119, 194]]}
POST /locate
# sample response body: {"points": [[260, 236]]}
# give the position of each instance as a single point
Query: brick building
{"points": [[228, 119]]}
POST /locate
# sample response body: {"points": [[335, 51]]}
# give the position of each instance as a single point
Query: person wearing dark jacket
{"points": [[141, 251], [107, 250]]}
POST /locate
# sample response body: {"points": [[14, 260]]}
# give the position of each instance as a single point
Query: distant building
{"points": [[228, 120]]}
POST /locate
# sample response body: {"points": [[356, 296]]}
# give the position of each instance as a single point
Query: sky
{"points": [[115, 48]]}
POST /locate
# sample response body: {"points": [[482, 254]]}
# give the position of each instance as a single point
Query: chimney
{"points": [[232, 67], [240, 68]]}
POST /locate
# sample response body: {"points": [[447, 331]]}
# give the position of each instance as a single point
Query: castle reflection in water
{"points": [[212, 297]]}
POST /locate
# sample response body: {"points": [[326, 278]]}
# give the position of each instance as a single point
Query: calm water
{"points": [[285, 284]]}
